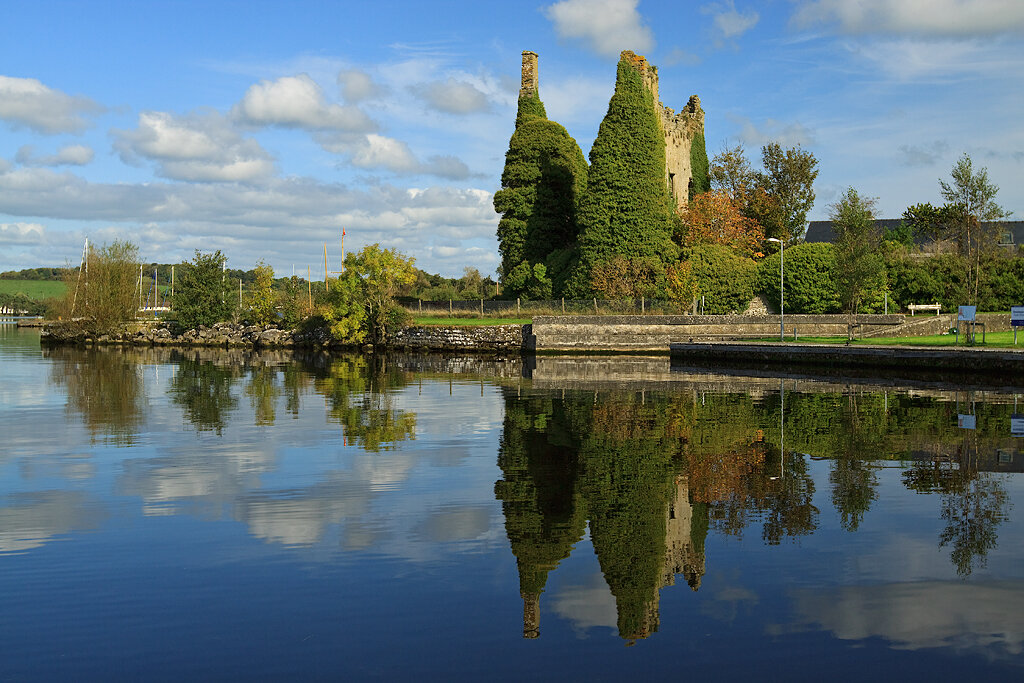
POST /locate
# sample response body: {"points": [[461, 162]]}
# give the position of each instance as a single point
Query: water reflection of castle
{"points": [[570, 465], [682, 557]]}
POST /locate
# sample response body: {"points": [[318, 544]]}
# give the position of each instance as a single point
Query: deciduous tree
{"points": [[789, 177], [714, 218], [858, 265], [201, 296], [381, 273]]}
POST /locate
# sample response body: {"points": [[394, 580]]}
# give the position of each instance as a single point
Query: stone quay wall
{"points": [[654, 333], [479, 338], [1007, 364]]}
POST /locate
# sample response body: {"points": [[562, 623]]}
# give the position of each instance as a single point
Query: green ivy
{"points": [[626, 210], [700, 177], [544, 177]]}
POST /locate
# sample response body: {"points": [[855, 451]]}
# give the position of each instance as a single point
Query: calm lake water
{"points": [[213, 515]]}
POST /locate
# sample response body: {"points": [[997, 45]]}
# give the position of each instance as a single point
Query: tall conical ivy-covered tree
{"points": [[545, 175], [627, 209]]}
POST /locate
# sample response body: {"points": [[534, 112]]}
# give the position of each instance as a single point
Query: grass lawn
{"points": [[427, 320], [992, 340], [33, 289]]}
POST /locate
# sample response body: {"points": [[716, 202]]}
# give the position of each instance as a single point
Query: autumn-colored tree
{"points": [[715, 218], [680, 282]]}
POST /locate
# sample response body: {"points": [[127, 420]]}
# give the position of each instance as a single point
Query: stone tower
{"points": [[680, 130], [530, 76]]}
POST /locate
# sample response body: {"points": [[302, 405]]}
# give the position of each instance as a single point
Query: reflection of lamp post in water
{"points": [[782, 291], [782, 432]]}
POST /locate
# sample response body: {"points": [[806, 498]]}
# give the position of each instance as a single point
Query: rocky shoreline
{"points": [[481, 339]]}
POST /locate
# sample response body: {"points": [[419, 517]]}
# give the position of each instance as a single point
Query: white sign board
{"points": [[966, 313], [966, 421], [1017, 316], [1017, 425]]}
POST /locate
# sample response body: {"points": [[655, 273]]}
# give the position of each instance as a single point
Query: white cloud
{"points": [[357, 86], [588, 605], [198, 147], [770, 130], [283, 220], [606, 26], [26, 102], [69, 155], [298, 102], [728, 22], [22, 233], [911, 60], [452, 96], [951, 18], [923, 155], [380, 152]]}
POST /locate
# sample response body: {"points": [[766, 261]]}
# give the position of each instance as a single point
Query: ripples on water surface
{"points": [[213, 515]]}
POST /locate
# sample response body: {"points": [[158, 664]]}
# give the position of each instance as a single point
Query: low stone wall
{"points": [[654, 333], [478, 338], [161, 334]]}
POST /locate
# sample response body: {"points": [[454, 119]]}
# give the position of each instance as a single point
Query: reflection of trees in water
{"points": [[263, 391], [973, 503], [972, 515], [202, 389], [359, 391], [854, 488], [741, 475], [105, 388]]}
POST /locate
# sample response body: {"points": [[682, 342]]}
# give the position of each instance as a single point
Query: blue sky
{"points": [[263, 129]]}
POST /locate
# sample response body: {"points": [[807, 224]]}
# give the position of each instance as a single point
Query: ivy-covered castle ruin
{"points": [[564, 221]]}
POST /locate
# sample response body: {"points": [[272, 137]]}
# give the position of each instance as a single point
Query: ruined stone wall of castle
{"points": [[680, 130]]}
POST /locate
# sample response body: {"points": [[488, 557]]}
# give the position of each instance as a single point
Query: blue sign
{"points": [[1016, 316]]}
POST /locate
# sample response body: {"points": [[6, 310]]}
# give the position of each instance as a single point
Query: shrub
{"points": [[810, 287], [724, 278]]}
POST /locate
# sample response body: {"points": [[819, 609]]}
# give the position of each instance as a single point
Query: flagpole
{"points": [[343, 251]]}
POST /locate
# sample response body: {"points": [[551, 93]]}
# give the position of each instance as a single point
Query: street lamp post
{"points": [[782, 289]]}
